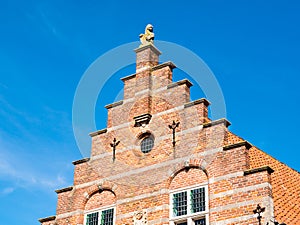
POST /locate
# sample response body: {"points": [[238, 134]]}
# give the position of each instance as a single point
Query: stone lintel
{"points": [[236, 145], [142, 119], [260, 169], [95, 133], [76, 162], [217, 122], [169, 64], [144, 47], [181, 82], [128, 77], [115, 104], [46, 219], [196, 102], [64, 189]]}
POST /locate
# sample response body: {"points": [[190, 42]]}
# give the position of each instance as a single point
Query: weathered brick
{"points": [[205, 153]]}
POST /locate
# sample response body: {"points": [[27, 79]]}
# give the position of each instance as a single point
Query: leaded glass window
{"points": [[92, 219], [104, 217], [189, 207], [147, 144], [180, 204], [107, 217], [200, 222], [198, 200]]}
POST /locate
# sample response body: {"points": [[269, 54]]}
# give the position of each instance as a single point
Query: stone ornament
{"points": [[140, 218], [148, 36]]}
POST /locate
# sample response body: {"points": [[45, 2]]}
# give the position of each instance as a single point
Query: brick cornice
{"points": [[181, 82], [169, 64], [260, 169], [128, 77], [64, 189], [46, 219], [92, 134], [196, 102], [217, 122], [76, 162], [236, 145], [109, 106], [151, 46]]}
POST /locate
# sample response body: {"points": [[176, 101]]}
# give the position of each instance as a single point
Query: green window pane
{"points": [[92, 219], [198, 200], [180, 204], [107, 217]]}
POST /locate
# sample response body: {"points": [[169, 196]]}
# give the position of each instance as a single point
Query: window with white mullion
{"points": [[102, 217], [197, 200], [180, 204], [189, 202], [191, 221], [182, 223], [92, 218], [107, 217], [190, 207], [201, 221]]}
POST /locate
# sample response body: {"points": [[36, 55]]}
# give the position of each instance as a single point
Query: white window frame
{"points": [[189, 217], [99, 210]]}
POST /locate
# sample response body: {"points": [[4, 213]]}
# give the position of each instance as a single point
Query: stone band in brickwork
{"points": [[233, 175]]}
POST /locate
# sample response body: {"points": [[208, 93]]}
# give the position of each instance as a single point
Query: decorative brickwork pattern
{"points": [[140, 185]]}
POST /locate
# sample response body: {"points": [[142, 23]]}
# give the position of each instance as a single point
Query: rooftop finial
{"points": [[148, 36]]}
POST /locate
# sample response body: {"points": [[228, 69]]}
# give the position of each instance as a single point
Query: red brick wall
{"points": [[188, 177], [100, 199], [204, 153]]}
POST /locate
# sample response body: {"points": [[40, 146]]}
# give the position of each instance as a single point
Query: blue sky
{"points": [[252, 47]]}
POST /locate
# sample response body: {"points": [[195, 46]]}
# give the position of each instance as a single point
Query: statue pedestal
{"points": [[147, 56]]}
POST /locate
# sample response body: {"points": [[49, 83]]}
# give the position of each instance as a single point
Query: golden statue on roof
{"points": [[148, 36]]}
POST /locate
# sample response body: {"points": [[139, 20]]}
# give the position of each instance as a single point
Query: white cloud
{"points": [[59, 181], [7, 191], [28, 145], [22, 173]]}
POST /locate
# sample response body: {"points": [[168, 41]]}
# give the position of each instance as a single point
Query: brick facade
{"points": [[236, 175]]}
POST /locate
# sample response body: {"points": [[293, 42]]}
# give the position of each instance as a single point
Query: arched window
{"points": [[190, 206], [100, 217], [100, 209], [189, 199]]}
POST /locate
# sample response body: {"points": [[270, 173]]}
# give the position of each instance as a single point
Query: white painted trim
{"points": [[190, 216], [190, 220], [100, 210]]}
